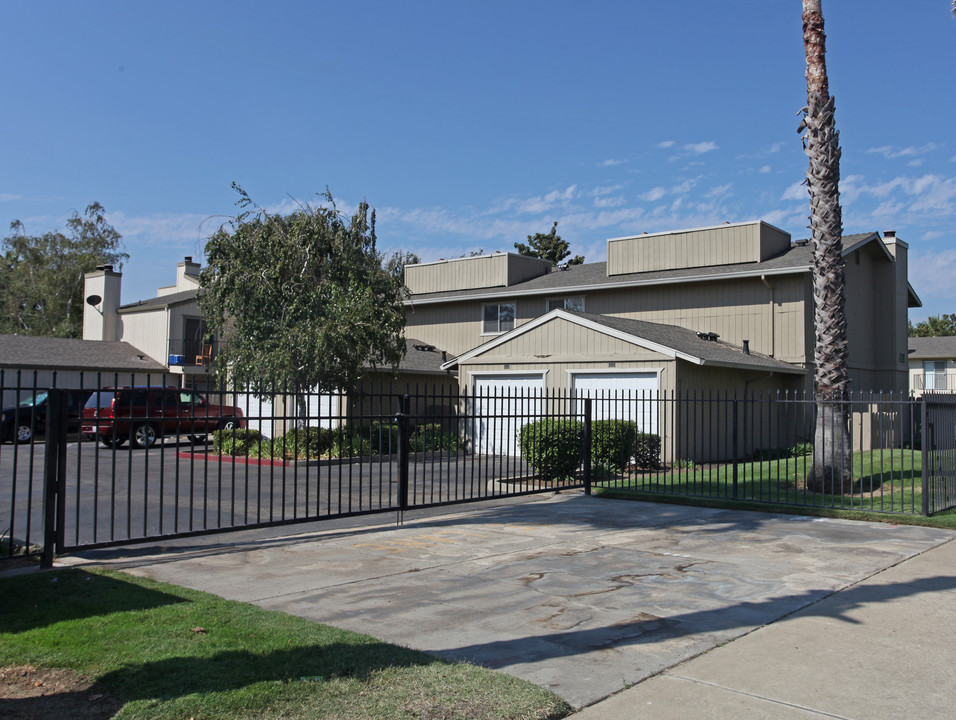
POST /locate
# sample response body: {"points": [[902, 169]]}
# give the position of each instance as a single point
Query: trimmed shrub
{"points": [[239, 441], [348, 441], [307, 442], [429, 437], [612, 442], [801, 450], [647, 450], [382, 437], [553, 446]]}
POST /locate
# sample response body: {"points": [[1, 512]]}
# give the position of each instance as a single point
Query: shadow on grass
{"points": [[41, 599], [234, 669]]}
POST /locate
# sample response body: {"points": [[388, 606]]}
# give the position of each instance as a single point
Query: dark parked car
{"points": [[143, 414], [22, 422]]}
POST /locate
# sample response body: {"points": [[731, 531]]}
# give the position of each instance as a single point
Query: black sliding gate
{"points": [[355, 455]]}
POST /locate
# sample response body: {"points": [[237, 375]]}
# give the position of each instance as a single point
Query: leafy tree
{"points": [[934, 326], [831, 458], [549, 246], [41, 276], [300, 300], [395, 263]]}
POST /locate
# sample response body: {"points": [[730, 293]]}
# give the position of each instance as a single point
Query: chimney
{"points": [[899, 250], [187, 274], [101, 296], [746, 347]]}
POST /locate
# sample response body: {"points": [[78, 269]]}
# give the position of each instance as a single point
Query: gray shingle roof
{"points": [[687, 342], [162, 301], [24, 351], [932, 347], [421, 358]]}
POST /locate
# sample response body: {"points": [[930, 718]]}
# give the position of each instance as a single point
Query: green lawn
{"points": [[887, 482], [168, 652]]}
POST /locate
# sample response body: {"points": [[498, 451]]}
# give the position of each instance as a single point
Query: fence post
{"points": [[733, 424], [54, 476], [404, 440], [587, 446], [926, 441]]}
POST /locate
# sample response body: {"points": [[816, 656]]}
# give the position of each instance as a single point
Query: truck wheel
{"points": [[24, 433], [144, 435]]}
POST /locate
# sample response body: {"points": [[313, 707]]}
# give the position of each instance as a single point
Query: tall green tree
{"points": [[41, 277], [934, 326], [831, 458], [549, 246], [301, 300]]}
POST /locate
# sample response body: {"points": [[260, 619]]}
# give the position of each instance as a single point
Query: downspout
{"points": [[773, 321]]}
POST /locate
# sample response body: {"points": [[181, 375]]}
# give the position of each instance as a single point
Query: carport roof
{"points": [[670, 340], [46, 353]]}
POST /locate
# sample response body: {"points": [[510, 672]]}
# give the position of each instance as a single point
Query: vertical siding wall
{"points": [[722, 245], [147, 331], [473, 272], [773, 319]]}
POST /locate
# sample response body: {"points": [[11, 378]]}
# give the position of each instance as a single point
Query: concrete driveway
{"points": [[578, 594]]}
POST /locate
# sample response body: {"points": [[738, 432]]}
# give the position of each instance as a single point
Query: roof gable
{"points": [[667, 340]]}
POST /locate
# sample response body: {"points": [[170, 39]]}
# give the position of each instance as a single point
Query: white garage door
{"points": [[621, 396], [503, 404]]}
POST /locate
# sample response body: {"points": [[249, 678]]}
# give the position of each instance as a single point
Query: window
{"points": [[934, 374], [568, 303], [498, 318]]}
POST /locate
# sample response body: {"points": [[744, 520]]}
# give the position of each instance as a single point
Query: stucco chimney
{"points": [[187, 274], [899, 250], [101, 298]]}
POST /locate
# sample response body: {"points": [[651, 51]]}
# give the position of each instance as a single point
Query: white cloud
{"points": [[776, 147], [915, 163], [764, 170], [719, 191], [889, 153], [797, 191], [611, 162], [608, 202], [701, 147], [684, 187], [166, 228], [666, 144], [604, 190], [8, 197], [932, 272], [653, 195]]}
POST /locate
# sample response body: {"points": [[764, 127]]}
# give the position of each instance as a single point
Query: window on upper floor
{"points": [[934, 375], [498, 318], [567, 303]]}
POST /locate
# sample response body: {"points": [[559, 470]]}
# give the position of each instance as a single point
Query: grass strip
{"points": [[945, 519], [170, 652]]}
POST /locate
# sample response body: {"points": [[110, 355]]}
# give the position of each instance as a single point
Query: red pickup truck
{"points": [[144, 414]]}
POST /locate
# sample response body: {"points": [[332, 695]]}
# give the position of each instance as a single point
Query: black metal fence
{"points": [[149, 468]]}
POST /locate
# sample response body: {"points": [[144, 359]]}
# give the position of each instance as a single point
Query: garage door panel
{"points": [[621, 396], [504, 404]]}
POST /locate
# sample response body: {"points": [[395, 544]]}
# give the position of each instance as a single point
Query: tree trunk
{"points": [[831, 471]]}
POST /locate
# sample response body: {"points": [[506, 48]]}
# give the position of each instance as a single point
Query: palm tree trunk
{"points": [[831, 470]]}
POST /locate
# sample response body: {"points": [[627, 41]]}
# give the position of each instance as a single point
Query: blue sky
{"points": [[470, 125]]}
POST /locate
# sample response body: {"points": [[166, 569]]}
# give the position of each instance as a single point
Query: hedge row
{"points": [[347, 441], [555, 447]]}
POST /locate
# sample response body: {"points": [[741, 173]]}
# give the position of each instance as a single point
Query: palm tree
{"points": [[831, 457]]}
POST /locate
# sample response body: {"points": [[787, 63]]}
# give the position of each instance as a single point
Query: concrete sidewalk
{"points": [[588, 597], [884, 648]]}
